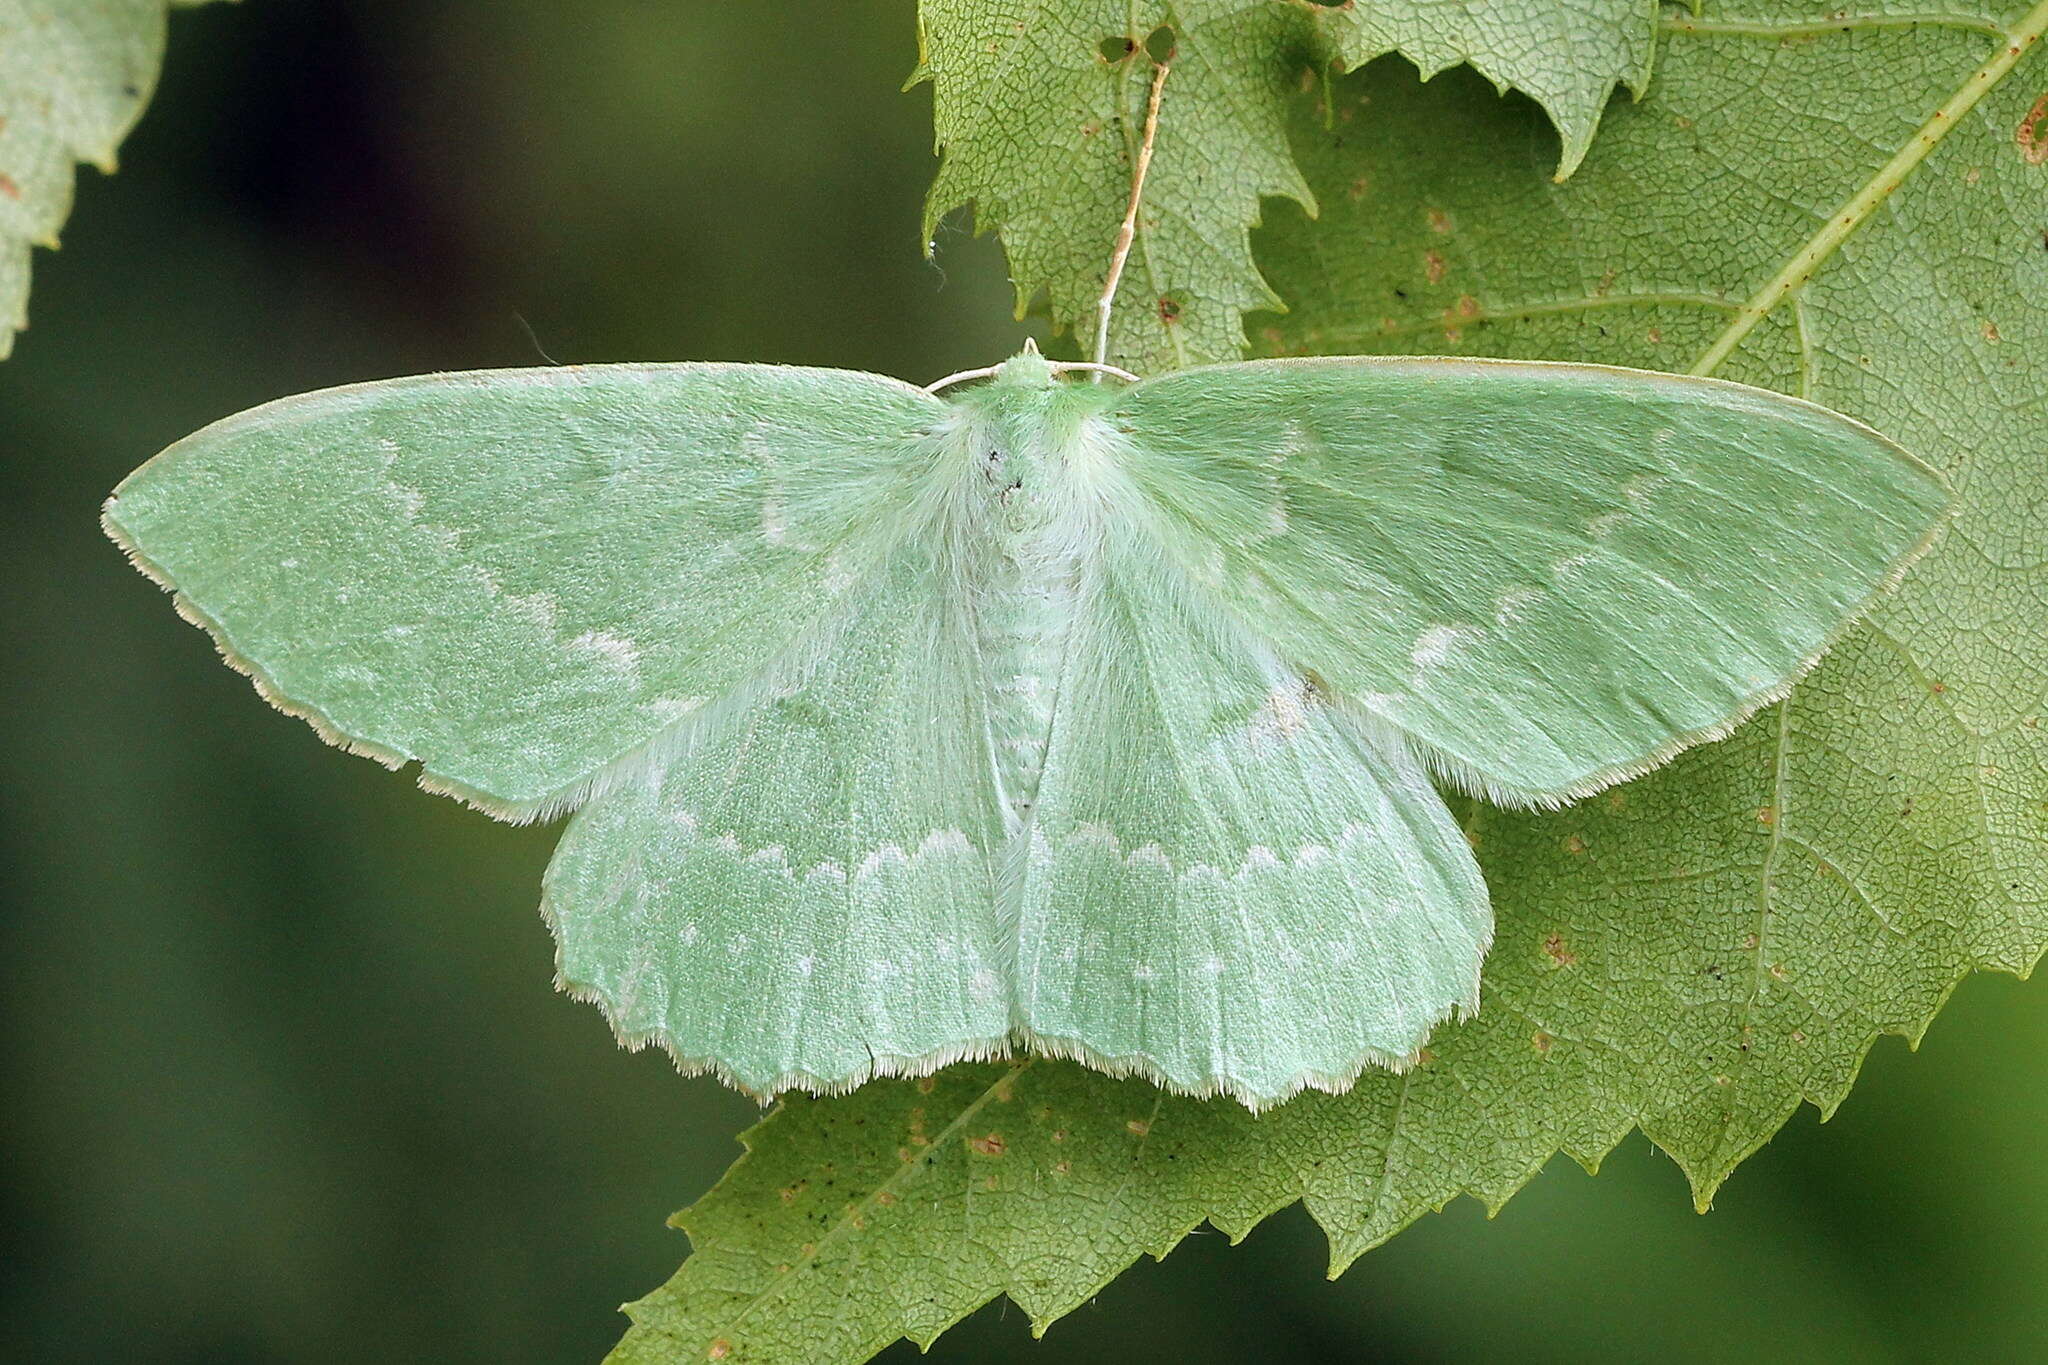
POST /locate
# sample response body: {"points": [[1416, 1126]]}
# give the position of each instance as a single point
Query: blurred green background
{"points": [[286, 1080]]}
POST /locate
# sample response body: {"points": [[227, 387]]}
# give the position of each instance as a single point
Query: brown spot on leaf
{"points": [[992, 1145], [1656, 336], [1434, 266], [1778, 972], [1062, 1167], [9, 188], [1139, 1127], [1439, 221], [927, 1084], [1767, 816], [2030, 136], [1991, 332], [1574, 845], [1169, 310], [1059, 1135], [1541, 1041], [1554, 948], [885, 1198], [1466, 306], [1423, 1056], [1972, 176], [790, 1192], [720, 1349], [1357, 190]]}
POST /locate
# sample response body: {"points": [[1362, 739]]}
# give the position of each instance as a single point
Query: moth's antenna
{"points": [[1031, 347], [534, 337], [961, 377], [1129, 230]]}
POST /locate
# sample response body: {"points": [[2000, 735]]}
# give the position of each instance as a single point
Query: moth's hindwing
{"points": [[795, 889], [1234, 884]]}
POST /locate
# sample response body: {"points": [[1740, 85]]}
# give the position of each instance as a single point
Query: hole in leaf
{"points": [[1159, 43], [1115, 47]]}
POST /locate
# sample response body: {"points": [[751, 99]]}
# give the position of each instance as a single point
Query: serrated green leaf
{"points": [[1848, 209], [1567, 55], [75, 75], [1039, 108]]}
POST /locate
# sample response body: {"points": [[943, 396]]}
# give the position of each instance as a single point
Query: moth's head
{"points": [[1027, 369]]}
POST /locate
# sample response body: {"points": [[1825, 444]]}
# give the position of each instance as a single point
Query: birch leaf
{"points": [[1039, 108], [1851, 209], [75, 75]]}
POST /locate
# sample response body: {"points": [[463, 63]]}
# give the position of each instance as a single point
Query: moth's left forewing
{"points": [[1552, 576], [517, 577]]}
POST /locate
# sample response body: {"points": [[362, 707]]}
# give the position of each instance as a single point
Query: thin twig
{"points": [[1129, 230]]}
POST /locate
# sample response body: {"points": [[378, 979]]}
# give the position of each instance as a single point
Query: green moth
{"points": [[1097, 719]]}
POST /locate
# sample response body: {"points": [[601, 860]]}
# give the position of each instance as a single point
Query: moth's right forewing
{"points": [[517, 576], [1550, 576]]}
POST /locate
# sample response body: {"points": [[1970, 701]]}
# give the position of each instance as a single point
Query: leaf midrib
{"points": [[1856, 210], [850, 1219]]}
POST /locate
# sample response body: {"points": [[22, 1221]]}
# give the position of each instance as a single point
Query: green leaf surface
{"points": [[1851, 210], [75, 75], [1039, 110]]}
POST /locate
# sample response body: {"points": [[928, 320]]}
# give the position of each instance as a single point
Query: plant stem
{"points": [[1129, 230]]}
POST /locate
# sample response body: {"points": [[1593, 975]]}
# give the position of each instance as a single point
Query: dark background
{"points": [[285, 1078]]}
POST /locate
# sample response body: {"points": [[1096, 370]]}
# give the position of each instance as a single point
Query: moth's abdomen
{"points": [[1023, 623], [1034, 510]]}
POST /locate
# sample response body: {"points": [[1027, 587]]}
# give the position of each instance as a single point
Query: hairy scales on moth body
{"points": [[1098, 719]]}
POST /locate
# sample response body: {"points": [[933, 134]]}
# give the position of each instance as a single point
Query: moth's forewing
{"points": [[516, 576], [1554, 576]]}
